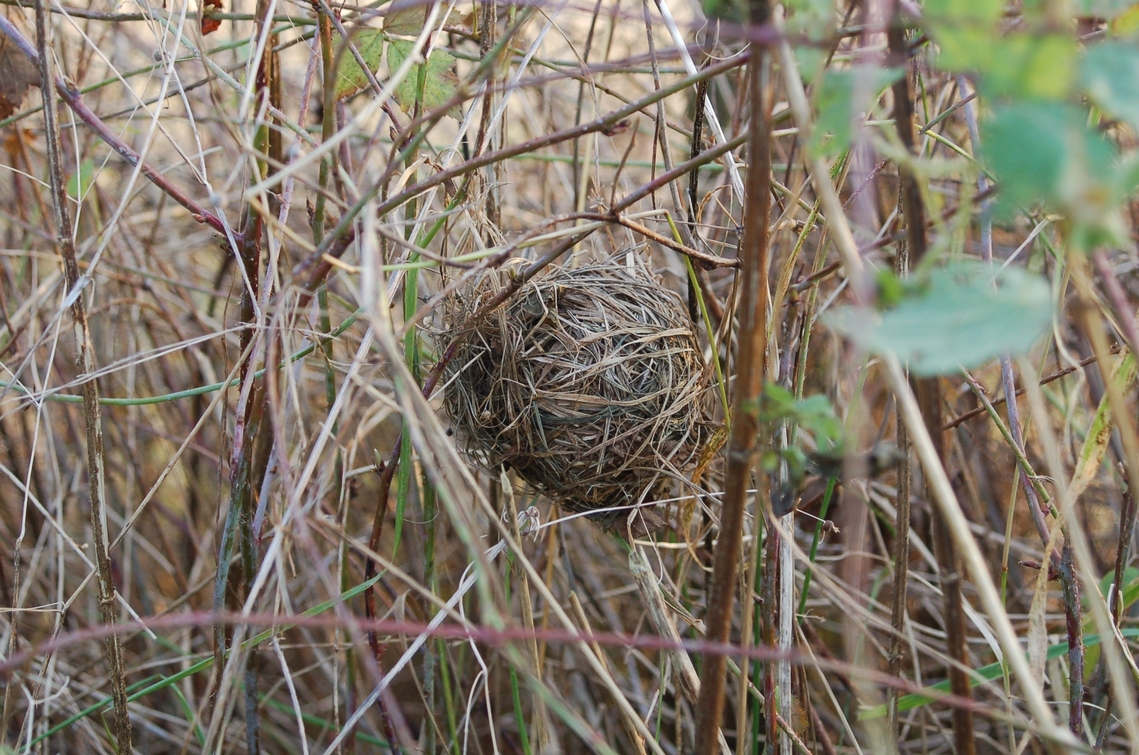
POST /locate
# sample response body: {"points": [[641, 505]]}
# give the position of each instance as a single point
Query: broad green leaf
{"points": [[809, 59], [1020, 65], [406, 17], [1032, 66], [1046, 152], [965, 48], [1109, 77], [837, 105], [1128, 174], [961, 317], [350, 77], [439, 81]]}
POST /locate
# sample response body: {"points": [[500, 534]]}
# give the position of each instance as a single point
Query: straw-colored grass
{"points": [[589, 383]]}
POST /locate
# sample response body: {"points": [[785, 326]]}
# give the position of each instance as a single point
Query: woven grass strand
{"points": [[589, 383]]}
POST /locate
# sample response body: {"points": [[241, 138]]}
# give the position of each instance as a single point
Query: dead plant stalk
{"points": [[751, 367], [92, 415]]}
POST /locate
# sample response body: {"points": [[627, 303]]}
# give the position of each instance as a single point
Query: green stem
{"points": [[827, 496]]}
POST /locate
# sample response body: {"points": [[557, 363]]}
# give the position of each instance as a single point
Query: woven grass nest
{"points": [[589, 382]]}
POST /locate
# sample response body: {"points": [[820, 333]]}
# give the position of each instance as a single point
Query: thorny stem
{"points": [[771, 567], [92, 414], [901, 542], [750, 369]]}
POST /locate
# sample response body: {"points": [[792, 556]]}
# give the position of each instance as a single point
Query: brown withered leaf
{"points": [[16, 74], [209, 23]]}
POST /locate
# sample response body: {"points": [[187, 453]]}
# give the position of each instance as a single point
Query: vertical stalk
{"points": [[750, 368], [771, 568], [902, 471], [252, 433], [92, 416], [929, 396]]}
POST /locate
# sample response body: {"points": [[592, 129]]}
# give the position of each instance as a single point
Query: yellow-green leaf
{"points": [[1031, 66], [438, 80], [350, 76], [1099, 434]]}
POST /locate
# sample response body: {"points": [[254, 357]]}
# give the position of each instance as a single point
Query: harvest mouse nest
{"points": [[589, 382]]}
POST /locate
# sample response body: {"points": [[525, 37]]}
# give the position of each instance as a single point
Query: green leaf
{"points": [[837, 105], [891, 289], [809, 59], [1044, 152], [1109, 76], [814, 415], [725, 10], [350, 76], [1032, 66], [1125, 24], [960, 319], [1020, 65], [1027, 147], [439, 81], [80, 182], [982, 13], [965, 48], [406, 17]]}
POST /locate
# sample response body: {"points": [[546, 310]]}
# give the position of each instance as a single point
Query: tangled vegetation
{"points": [[325, 329]]}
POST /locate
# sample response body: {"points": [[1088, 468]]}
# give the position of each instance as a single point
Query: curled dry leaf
{"points": [[209, 22], [16, 74]]}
